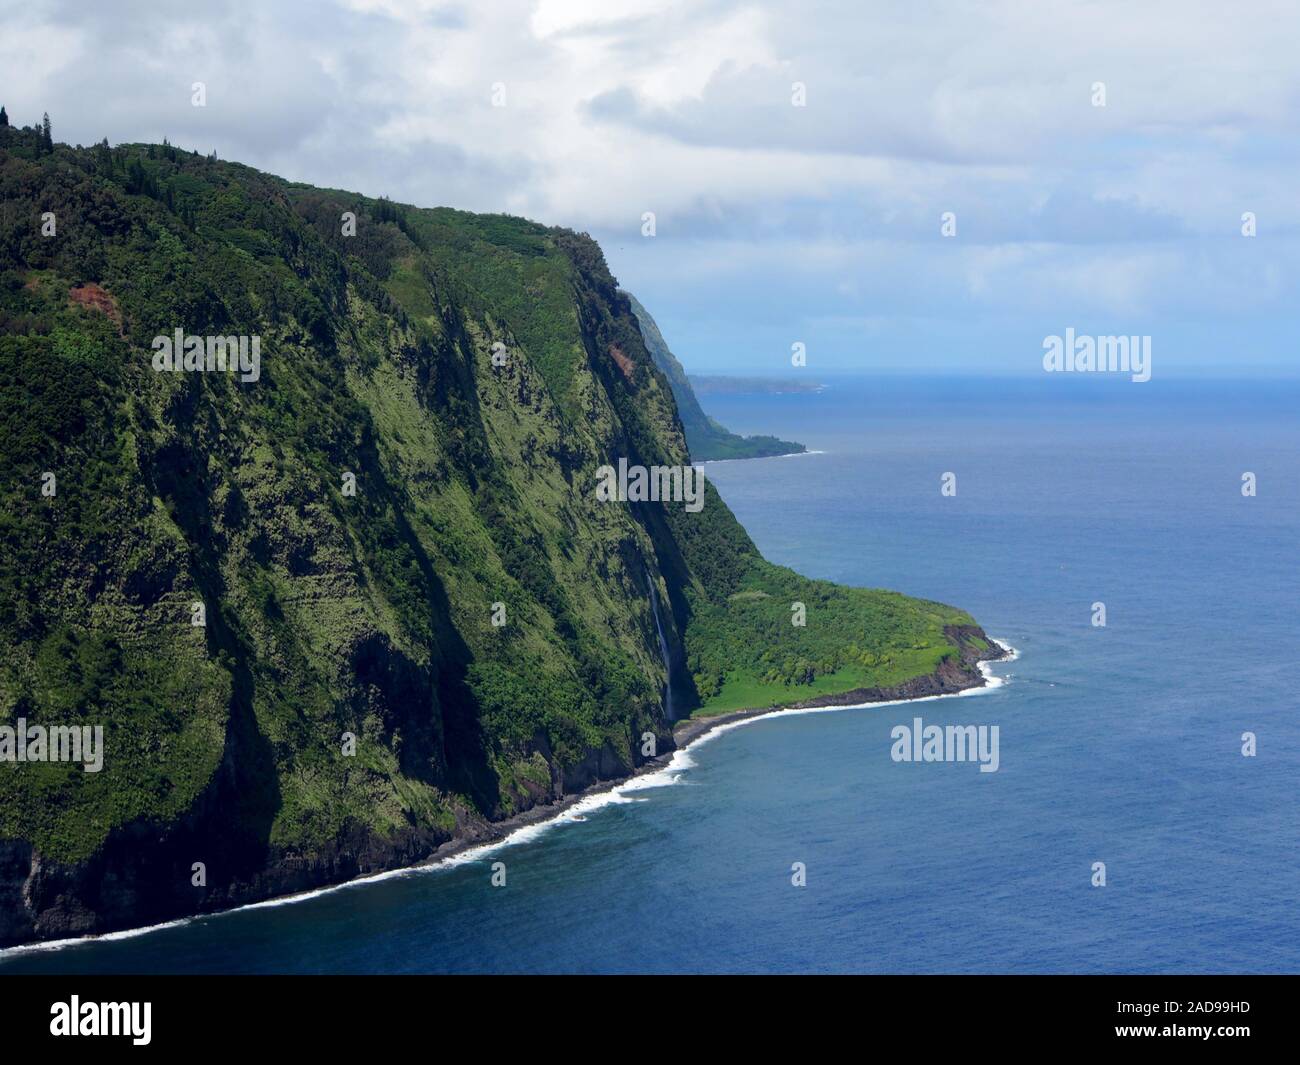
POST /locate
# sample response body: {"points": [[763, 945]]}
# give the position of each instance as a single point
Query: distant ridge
{"points": [[705, 438]]}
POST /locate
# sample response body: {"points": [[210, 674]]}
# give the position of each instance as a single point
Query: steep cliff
{"points": [[366, 599]]}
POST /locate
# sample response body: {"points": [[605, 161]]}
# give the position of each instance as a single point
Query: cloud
{"points": [[826, 212]]}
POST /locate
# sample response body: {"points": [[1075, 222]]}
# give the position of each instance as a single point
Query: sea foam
{"points": [[667, 776]]}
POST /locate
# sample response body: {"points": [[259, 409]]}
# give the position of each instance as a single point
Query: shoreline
{"points": [[707, 725], [751, 458], [531, 823]]}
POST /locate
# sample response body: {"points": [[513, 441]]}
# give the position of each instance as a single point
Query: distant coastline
{"points": [[706, 438], [724, 385]]}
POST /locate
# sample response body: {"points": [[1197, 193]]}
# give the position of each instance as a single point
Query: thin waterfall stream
{"points": [[663, 648]]}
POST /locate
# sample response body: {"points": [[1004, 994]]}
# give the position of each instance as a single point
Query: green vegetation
{"points": [[748, 651], [706, 439], [332, 613]]}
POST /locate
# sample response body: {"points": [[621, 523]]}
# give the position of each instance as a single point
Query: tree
{"points": [[47, 136], [4, 117], [136, 178]]}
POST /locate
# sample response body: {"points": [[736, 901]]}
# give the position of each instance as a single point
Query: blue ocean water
{"points": [[1119, 744]]}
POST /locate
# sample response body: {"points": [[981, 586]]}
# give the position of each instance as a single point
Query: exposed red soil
{"points": [[95, 298], [624, 363]]}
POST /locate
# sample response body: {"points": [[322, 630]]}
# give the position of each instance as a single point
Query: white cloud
{"points": [[684, 109]]}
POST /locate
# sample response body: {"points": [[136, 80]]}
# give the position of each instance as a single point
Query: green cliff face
{"points": [[350, 525], [706, 439]]}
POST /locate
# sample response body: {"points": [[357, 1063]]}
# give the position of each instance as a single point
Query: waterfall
{"points": [[663, 648]]}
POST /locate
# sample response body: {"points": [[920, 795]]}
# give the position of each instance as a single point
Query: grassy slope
{"points": [[368, 614]]}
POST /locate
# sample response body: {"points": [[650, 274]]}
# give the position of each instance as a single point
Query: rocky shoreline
{"points": [[950, 678], [473, 831]]}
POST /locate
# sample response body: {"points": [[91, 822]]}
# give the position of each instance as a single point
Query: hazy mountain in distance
{"points": [[705, 438]]}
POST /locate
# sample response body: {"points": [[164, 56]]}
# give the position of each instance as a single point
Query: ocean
{"points": [[1119, 744]]}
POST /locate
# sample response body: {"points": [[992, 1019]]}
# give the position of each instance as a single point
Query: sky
{"points": [[798, 158]]}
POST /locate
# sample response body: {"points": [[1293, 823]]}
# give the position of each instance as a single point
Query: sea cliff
{"points": [[363, 604]]}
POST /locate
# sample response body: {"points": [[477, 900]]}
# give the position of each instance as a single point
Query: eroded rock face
{"points": [[95, 298], [16, 871]]}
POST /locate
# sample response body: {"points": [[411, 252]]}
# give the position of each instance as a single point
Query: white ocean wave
{"points": [[667, 776]]}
